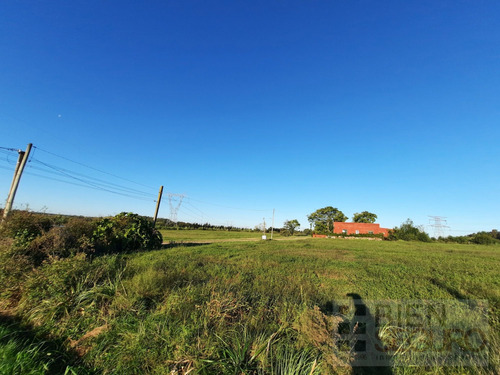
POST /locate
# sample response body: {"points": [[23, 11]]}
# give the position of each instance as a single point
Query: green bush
{"points": [[35, 237], [125, 232], [62, 241], [483, 239], [407, 231], [285, 233], [455, 239], [24, 226]]}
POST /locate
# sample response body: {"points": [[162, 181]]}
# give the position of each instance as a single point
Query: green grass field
{"points": [[250, 307], [198, 235]]}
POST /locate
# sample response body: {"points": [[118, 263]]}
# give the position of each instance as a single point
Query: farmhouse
{"points": [[358, 228]]}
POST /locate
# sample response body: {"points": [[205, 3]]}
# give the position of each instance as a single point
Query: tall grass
{"points": [[23, 352], [264, 307]]}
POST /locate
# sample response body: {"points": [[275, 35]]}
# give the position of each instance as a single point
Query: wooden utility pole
{"points": [[272, 226], [21, 163], [158, 203]]}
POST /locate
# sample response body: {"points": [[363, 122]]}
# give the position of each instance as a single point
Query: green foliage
{"points": [[36, 238], [480, 238], [198, 235], [125, 232], [23, 352], [257, 307], [24, 226], [495, 234], [290, 361], [63, 241], [67, 287], [360, 235], [239, 353], [323, 219], [407, 231], [166, 224], [364, 217], [285, 233], [483, 238], [289, 227]]}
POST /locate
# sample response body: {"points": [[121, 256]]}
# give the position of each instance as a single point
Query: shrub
{"points": [[24, 226], [35, 238], [456, 239], [65, 241], [57, 242], [125, 232], [483, 239], [407, 231]]}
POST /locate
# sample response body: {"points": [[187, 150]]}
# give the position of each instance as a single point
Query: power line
{"points": [[174, 209], [6, 168], [81, 185], [95, 182], [90, 180], [75, 178], [63, 171], [439, 225], [197, 217], [10, 149], [90, 184], [7, 160], [186, 214], [231, 208], [204, 216], [201, 213], [7, 156], [96, 169], [56, 173], [194, 213]]}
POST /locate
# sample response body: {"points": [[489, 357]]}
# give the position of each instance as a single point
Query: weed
{"points": [[262, 308]]}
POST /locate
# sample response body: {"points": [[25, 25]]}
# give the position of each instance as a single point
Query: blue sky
{"points": [[245, 106]]}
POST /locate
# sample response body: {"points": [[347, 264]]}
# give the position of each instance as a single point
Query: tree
{"points": [[364, 217], [323, 219], [407, 231], [290, 226]]}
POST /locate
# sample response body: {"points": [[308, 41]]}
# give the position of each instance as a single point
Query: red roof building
{"points": [[359, 228]]}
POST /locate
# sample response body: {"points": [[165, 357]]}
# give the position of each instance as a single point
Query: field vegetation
{"points": [[198, 235], [221, 302]]}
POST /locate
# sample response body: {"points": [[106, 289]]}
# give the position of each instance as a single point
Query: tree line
{"points": [[322, 221]]}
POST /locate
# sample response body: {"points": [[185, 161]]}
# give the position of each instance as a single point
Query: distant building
{"points": [[359, 228]]}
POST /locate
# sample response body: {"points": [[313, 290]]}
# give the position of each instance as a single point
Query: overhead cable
{"points": [[232, 208], [97, 181], [82, 185], [95, 169], [91, 184]]}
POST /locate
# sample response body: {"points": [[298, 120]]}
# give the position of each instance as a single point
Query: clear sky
{"points": [[245, 106]]}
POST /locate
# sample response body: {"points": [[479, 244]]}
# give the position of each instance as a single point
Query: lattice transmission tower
{"points": [[439, 225], [174, 208]]}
